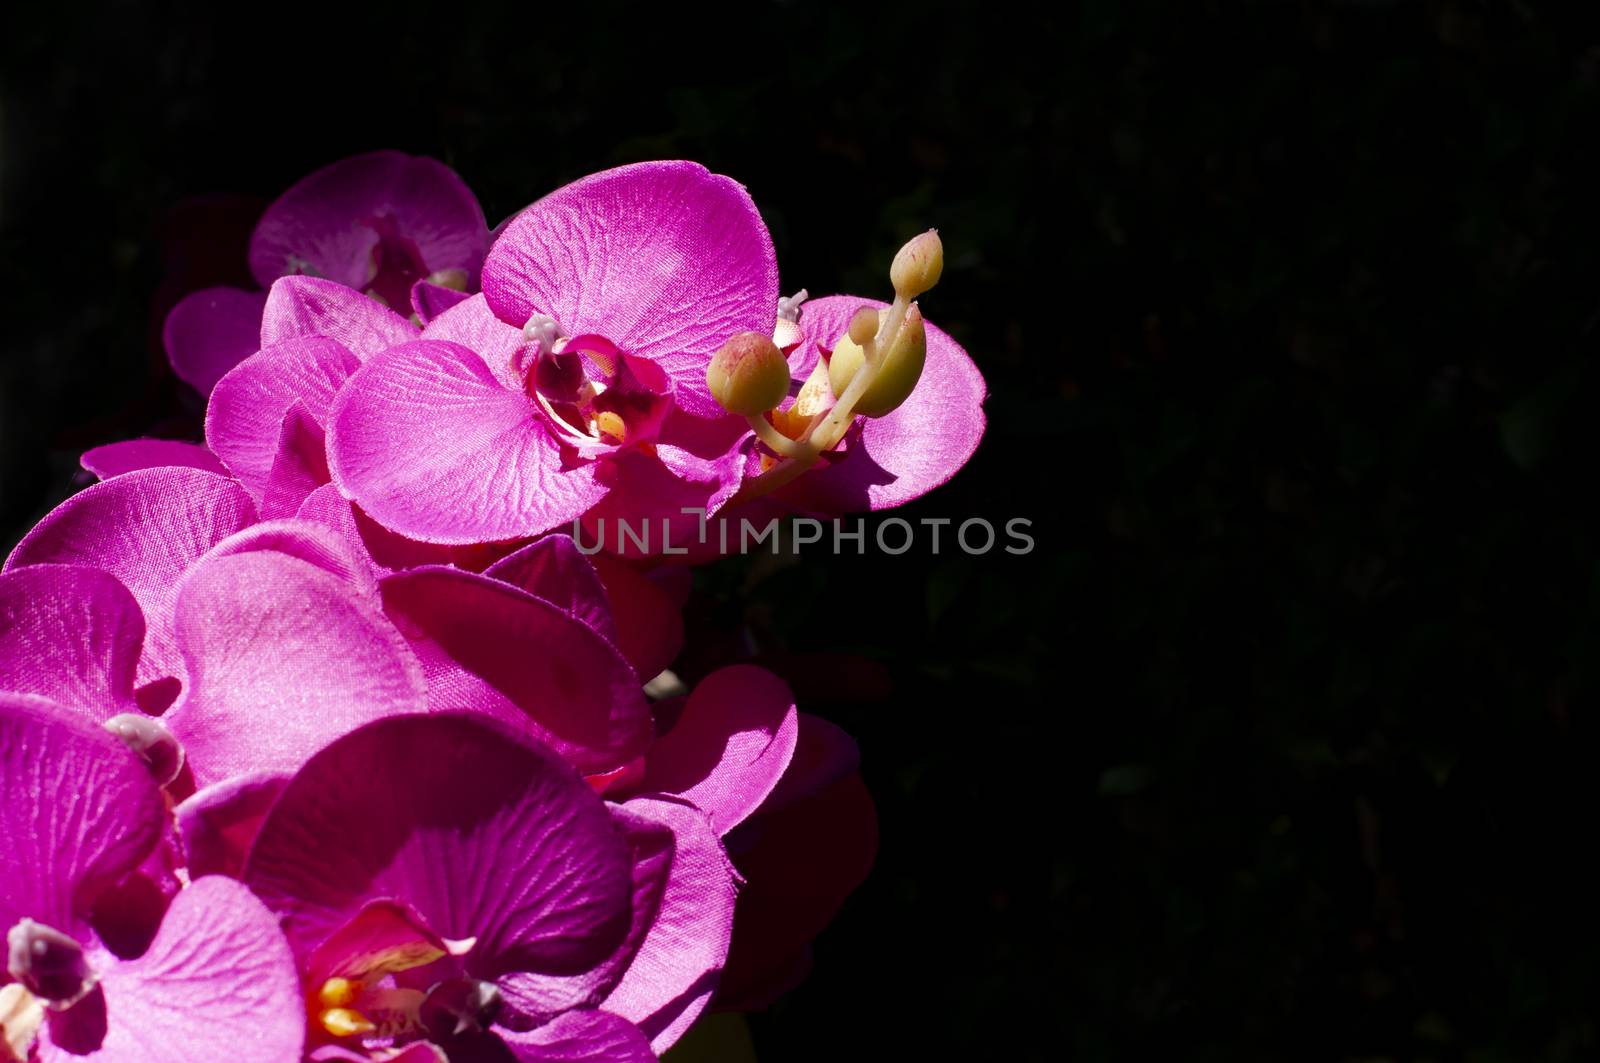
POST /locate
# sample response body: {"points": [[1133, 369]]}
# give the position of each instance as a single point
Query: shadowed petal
{"points": [[581, 1037], [675, 970], [219, 823], [333, 221], [114, 459], [282, 657], [428, 300], [145, 528], [211, 331], [302, 307], [218, 980], [553, 570], [730, 746], [78, 811], [71, 634], [907, 453], [665, 259], [483, 833], [649, 621], [492, 647], [430, 445]]}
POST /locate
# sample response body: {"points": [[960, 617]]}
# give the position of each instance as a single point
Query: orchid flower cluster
{"points": [[324, 739]]}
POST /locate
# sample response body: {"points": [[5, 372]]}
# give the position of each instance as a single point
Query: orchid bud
{"points": [[48, 963], [149, 738], [917, 266], [864, 325], [749, 375], [899, 368]]}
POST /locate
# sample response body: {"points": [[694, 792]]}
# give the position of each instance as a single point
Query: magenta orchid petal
{"points": [[430, 445], [488, 837], [128, 455], [302, 307], [649, 620], [145, 528], [282, 656], [491, 647], [554, 570], [245, 420], [665, 259], [71, 634], [502, 347], [211, 331], [581, 1037], [299, 467], [429, 300], [78, 811], [729, 747], [906, 453], [363, 221], [382, 548], [218, 979], [219, 823], [311, 542], [674, 972]]}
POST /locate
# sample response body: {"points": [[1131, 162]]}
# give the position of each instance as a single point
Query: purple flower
{"points": [[78, 812], [443, 879], [580, 372], [401, 229]]}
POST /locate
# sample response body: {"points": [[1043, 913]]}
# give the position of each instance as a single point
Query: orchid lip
{"points": [[49, 964]]}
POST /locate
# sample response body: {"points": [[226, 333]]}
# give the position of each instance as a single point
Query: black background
{"points": [[1277, 746]]}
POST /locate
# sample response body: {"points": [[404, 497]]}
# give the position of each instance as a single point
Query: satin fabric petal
{"points": [[245, 418], [302, 307], [309, 541], [323, 222], [71, 634], [553, 569], [209, 332], [649, 621], [382, 548], [219, 823], [128, 455], [906, 453], [495, 649], [665, 259], [484, 834], [299, 467], [730, 746], [282, 657], [78, 811], [429, 444], [145, 528], [581, 1037], [676, 968], [502, 347], [217, 981], [429, 300]]}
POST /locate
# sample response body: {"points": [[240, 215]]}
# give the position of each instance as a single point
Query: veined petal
{"points": [[303, 307], [71, 634], [79, 812], [581, 1037], [219, 823], [554, 570], [665, 259], [430, 445], [730, 746], [491, 647], [217, 979], [282, 657], [486, 835], [145, 528], [245, 418]]}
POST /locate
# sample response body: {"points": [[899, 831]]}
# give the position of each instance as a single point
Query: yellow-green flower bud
{"points": [[917, 266], [864, 325], [749, 375], [899, 368]]}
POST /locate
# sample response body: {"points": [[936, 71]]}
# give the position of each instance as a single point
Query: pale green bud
{"points": [[918, 265], [749, 375], [899, 368]]}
